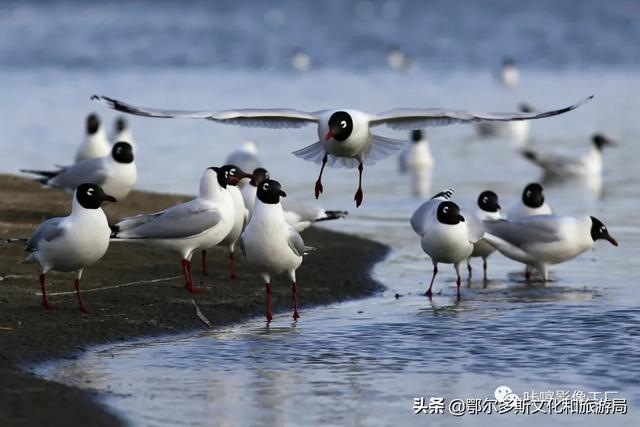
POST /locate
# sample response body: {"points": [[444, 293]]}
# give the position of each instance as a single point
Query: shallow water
{"points": [[362, 362]]}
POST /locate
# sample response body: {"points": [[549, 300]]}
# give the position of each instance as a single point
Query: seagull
{"points": [[488, 209], [245, 158], [297, 214], [95, 142], [240, 220], [345, 138], [538, 241], [418, 161], [532, 203], [564, 166], [271, 244], [116, 173], [518, 131], [74, 242], [122, 132], [201, 223], [444, 233], [509, 75]]}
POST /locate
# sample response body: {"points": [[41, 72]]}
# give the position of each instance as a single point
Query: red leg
{"points": [[469, 268], [294, 300], [80, 304], [45, 301], [359, 195], [318, 190], [232, 266], [204, 262], [458, 281], [527, 274], [484, 267], [269, 314], [186, 267], [433, 278]]}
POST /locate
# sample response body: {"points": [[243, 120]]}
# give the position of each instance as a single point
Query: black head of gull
{"points": [[599, 231], [488, 201], [340, 126], [91, 196], [449, 213], [234, 174], [122, 152], [121, 124], [533, 195], [270, 191], [416, 135], [93, 123], [600, 141], [222, 176], [259, 175]]}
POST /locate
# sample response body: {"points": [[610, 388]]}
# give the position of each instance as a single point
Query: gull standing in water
{"points": [[488, 209], [95, 142], [531, 203], [271, 244], [445, 235], [345, 137], [74, 242], [201, 223], [418, 162]]}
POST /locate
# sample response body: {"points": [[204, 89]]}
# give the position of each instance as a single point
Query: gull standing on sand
{"points": [[488, 208], [531, 203], [299, 215], [418, 162], [240, 219], [538, 241], [201, 223], [445, 235], [116, 173], [74, 242], [557, 166], [271, 244], [345, 138], [95, 142]]}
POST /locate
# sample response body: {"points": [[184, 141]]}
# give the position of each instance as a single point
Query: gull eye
{"points": [[603, 229], [343, 124], [445, 209], [265, 186], [485, 199], [90, 192], [232, 172], [528, 193]]}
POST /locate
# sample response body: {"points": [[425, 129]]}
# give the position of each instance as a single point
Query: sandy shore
{"points": [[134, 291]]}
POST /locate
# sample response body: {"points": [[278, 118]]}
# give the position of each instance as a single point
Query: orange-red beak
{"points": [[328, 136]]}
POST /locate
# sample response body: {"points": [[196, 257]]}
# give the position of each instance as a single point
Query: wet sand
{"points": [[134, 291]]}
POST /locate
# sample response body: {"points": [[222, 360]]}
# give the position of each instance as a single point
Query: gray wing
{"points": [[296, 243], [181, 221], [476, 230], [539, 229], [90, 170], [47, 231], [422, 217], [275, 118], [415, 118]]}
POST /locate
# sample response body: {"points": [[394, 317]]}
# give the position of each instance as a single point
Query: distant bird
{"points": [[271, 244], [418, 162], [299, 215], [567, 166], [74, 242], [397, 59], [95, 143], [240, 220], [122, 132], [201, 223], [531, 203], [300, 60], [246, 158], [116, 173], [488, 208], [445, 235], [509, 75], [538, 241], [517, 131], [345, 135]]}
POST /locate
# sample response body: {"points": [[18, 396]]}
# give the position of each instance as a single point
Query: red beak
{"points": [[328, 136]]}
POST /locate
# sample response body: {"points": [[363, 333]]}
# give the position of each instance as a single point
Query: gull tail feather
{"points": [[332, 215], [44, 177]]}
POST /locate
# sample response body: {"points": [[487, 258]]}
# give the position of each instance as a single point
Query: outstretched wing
{"points": [[275, 118], [416, 118]]}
